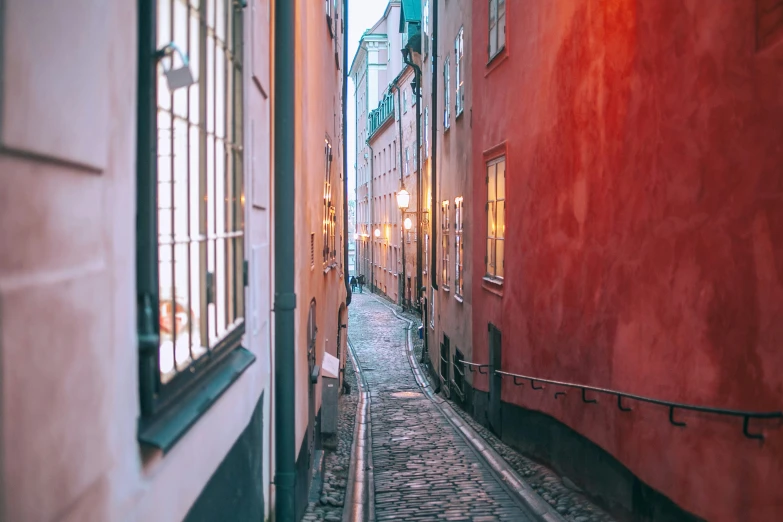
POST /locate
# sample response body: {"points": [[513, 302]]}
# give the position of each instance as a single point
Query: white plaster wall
{"points": [[68, 350]]}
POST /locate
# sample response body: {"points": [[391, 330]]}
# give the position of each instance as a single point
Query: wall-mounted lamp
{"points": [[377, 232], [408, 224], [403, 199]]}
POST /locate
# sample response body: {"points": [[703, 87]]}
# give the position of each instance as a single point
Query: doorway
{"points": [[445, 356], [495, 380], [312, 379]]}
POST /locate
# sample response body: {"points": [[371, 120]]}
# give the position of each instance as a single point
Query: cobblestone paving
{"points": [[423, 470], [560, 493], [336, 463]]}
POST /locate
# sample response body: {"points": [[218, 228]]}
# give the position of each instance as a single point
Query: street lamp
{"points": [[403, 200]]}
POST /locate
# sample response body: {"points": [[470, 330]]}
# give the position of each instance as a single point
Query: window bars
{"points": [[191, 202]]}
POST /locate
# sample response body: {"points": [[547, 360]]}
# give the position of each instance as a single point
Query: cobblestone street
{"points": [[423, 469]]}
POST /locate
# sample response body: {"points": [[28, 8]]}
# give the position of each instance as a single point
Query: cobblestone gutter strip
{"points": [[506, 475], [562, 494], [359, 498], [329, 508]]}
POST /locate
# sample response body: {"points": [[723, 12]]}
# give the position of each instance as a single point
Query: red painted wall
{"points": [[645, 231]]}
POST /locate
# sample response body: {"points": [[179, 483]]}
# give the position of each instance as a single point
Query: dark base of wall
{"points": [[236, 489], [599, 474], [304, 469]]}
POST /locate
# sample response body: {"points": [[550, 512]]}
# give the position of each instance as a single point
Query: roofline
{"points": [[368, 34]]}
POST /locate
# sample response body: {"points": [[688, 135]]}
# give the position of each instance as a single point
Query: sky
{"points": [[362, 14]]}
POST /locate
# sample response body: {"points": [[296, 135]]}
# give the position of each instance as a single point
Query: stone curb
{"points": [[505, 474], [359, 502]]}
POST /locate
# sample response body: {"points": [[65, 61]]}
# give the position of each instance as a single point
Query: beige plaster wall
{"points": [[318, 115]]}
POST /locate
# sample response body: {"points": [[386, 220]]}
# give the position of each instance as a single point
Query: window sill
{"points": [[459, 298], [493, 286], [445, 288], [164, 431], [496, 60], [459, 115]]}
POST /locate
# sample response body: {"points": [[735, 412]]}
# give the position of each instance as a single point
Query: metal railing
{"points": [[519, 380], [473, 367]]}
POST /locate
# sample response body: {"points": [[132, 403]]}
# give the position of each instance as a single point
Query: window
{"points": [[404, 100], [446, 92], [459, 72], [426, 132], [407, 160], [444, 217], [458, 246], [496, 217], [432, 308], [426, 261], [191, 269], [329, 251], [497, 27]]}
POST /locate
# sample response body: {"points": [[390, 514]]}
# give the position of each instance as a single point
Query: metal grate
{"points": [[200, 187]]}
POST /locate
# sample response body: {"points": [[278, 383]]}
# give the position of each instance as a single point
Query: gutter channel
{"points": [[359, 504]]}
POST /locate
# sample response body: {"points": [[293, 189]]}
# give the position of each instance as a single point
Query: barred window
{"points": [[497, 27], [191, 269], [329, 251], [496, 217], [459, 72], [445, 229], [458, 246]]}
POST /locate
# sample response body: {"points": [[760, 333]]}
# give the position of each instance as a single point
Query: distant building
{"points": [[377, 61]]}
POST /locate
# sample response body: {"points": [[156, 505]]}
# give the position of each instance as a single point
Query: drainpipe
{"points": [[402, 215], [285, 296], [417, 73], [434, 156], [434, 174], [346, 260], [372, 220]]}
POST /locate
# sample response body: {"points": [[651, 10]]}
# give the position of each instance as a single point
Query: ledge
{"points": [[459, 298], [496, 60], [164, 431], [493, 286]]}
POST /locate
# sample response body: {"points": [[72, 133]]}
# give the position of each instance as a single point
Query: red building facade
{"points": [[639, 247]]}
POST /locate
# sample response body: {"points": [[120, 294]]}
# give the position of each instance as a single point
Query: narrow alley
{"points": [[422, 468]]}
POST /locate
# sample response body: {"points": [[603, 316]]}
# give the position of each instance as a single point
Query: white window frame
{"points": [[446, 94], [495, 236], [497, 27], [445, 230], [459, 72], [458, 247]]}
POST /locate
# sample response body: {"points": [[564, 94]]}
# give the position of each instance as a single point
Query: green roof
{"points": [[410, 11]]}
